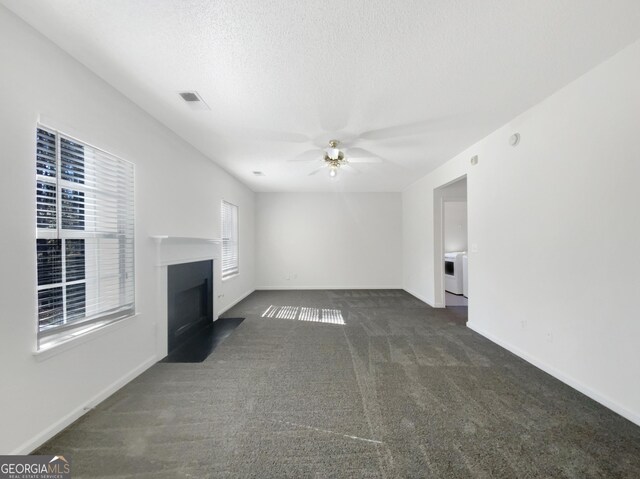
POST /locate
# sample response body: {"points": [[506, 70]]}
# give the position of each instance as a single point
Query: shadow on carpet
{"points": [[198, 347]]}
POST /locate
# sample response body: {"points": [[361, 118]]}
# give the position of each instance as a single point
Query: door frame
{"points": [[438, 237]]}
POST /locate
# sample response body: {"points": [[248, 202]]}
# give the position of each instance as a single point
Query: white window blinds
{"points": [[85, 234], [229, 239]]}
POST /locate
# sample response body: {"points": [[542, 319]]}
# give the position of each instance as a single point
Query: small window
{"points": [[229, 216], [84, 236]]}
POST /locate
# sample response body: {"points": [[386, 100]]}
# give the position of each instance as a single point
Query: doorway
{"points": [[452, 264]]}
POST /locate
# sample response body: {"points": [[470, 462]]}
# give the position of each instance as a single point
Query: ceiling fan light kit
{"points": [[334, 157], [333, 151]]}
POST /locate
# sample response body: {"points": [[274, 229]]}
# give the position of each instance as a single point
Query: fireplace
{"points": [[189, 300]]}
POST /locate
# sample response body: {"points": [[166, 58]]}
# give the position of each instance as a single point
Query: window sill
{"points": [[227, 278], [83, 337]]}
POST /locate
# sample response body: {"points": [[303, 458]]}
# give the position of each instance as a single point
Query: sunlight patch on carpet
{"points": [[302, 313]]}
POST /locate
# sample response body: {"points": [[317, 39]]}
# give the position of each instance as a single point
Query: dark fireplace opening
{"points": [[190, 300]]}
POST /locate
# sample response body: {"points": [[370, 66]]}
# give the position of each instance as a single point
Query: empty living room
{"points": [[320, 239]]}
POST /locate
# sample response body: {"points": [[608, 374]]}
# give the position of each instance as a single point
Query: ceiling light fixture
{"points": [[334, 157]]}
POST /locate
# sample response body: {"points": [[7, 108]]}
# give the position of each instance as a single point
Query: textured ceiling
{"points": [[414, 82]]}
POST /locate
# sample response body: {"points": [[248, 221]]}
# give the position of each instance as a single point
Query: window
{"points": [[84, 236], [229, 239]]}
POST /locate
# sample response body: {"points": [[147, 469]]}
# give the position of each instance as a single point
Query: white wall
{"points": [[555, 278], [178, 192], [455, 225], [328, 240]]}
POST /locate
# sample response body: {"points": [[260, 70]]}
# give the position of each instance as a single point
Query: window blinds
{"points": [[229, 239], [85, 233]]}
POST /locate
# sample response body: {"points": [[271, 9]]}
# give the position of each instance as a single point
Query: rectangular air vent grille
{"points": [[194, 100], [189, 96]]}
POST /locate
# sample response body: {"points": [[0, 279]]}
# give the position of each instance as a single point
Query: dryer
{"points": [[465, 275], [453, 278]]}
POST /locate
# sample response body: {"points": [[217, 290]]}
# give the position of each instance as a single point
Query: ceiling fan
{"points": [[334, 158]]}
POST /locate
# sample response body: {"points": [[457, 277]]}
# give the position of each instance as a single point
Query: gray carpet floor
{"points": [[398, 390]]}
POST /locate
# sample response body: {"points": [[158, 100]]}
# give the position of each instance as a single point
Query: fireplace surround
{"points": [[175, 251], [189, 300]]}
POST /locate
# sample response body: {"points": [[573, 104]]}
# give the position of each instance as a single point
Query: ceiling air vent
{"points": [[189, 96], [194, 100]]}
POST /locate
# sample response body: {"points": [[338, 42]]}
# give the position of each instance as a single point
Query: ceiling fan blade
{"points": [[351, 169], [360, 155], [317, 170], [356, 152], [366, 160], [309, 155], [333, 112], [257, 134], [416, 128]]}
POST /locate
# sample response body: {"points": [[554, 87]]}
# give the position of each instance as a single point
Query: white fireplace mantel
{"points": [[184, 249]]}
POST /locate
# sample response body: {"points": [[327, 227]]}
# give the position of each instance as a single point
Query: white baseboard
{"points": [[75, 414], [302, 287], [424, 299], [227, 308], [587, 391]]}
